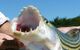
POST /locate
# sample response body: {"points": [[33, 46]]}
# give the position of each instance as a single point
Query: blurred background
{"points": [[58, 12]]}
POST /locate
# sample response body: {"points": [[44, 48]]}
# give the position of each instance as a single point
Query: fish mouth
{"points": [[29, 19]]}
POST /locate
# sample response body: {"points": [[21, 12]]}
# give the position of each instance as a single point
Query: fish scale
{"points": [[67, 42]]}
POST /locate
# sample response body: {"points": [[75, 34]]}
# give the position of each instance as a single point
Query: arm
{"points": [[5, 26]]}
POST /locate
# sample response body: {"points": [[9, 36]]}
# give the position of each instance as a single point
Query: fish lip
{"points": [[32, 21]]}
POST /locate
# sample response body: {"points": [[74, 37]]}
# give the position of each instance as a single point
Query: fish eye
{"points": [[47, 21]]}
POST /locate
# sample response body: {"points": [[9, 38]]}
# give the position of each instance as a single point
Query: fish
{"points": [[39, 34]]}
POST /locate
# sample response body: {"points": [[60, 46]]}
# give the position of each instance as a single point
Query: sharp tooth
{"points": [[30, 29], [21, 10], [25, 31], [20, 29], [25, 8]]}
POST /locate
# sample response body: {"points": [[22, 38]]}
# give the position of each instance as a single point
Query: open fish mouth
{"points": [[28, 19]]}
